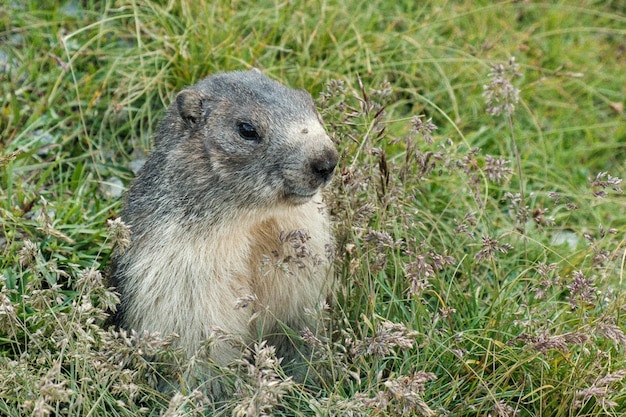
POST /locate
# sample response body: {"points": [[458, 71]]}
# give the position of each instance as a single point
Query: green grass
{"points": [[426, 321]]}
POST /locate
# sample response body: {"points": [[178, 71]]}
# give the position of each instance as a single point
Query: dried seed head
{"points": [[497, 170], [600, 390], [28, 254], [264, 387], [604, 181], [119, 233], [500, 94], [424, 128], [388, 336], [582, 290], [89, 279], [491, 246]]}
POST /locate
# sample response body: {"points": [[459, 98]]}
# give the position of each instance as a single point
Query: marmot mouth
{"points": [[300, 196]]}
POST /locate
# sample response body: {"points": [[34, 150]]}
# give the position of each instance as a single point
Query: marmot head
{"points": [[260, 142]]}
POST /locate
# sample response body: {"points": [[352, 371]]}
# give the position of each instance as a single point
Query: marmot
{"points": [[228, 208]]}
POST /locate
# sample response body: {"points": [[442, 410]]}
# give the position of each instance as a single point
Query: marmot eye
{"points": [[248, 132]]}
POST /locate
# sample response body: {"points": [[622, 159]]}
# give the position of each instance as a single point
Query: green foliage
{"points": [[480, 249]]}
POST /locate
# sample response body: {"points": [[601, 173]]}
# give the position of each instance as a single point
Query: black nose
{"points": [[324, 166]]}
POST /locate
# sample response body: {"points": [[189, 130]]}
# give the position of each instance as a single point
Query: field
{"points": [[478, 205]]}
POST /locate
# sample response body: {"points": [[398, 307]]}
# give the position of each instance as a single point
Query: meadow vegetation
{"points": [[478, 205]]}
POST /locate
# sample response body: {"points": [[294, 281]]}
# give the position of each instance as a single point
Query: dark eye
{"points": [[248, 132]]}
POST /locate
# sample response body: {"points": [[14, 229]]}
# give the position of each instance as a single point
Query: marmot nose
{"points": [[324, 166]]}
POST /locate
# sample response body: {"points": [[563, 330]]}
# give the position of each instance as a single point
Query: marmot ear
{"points": [[192, 106]]}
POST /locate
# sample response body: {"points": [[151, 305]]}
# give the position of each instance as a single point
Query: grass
{"points": [[480, 265]]}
